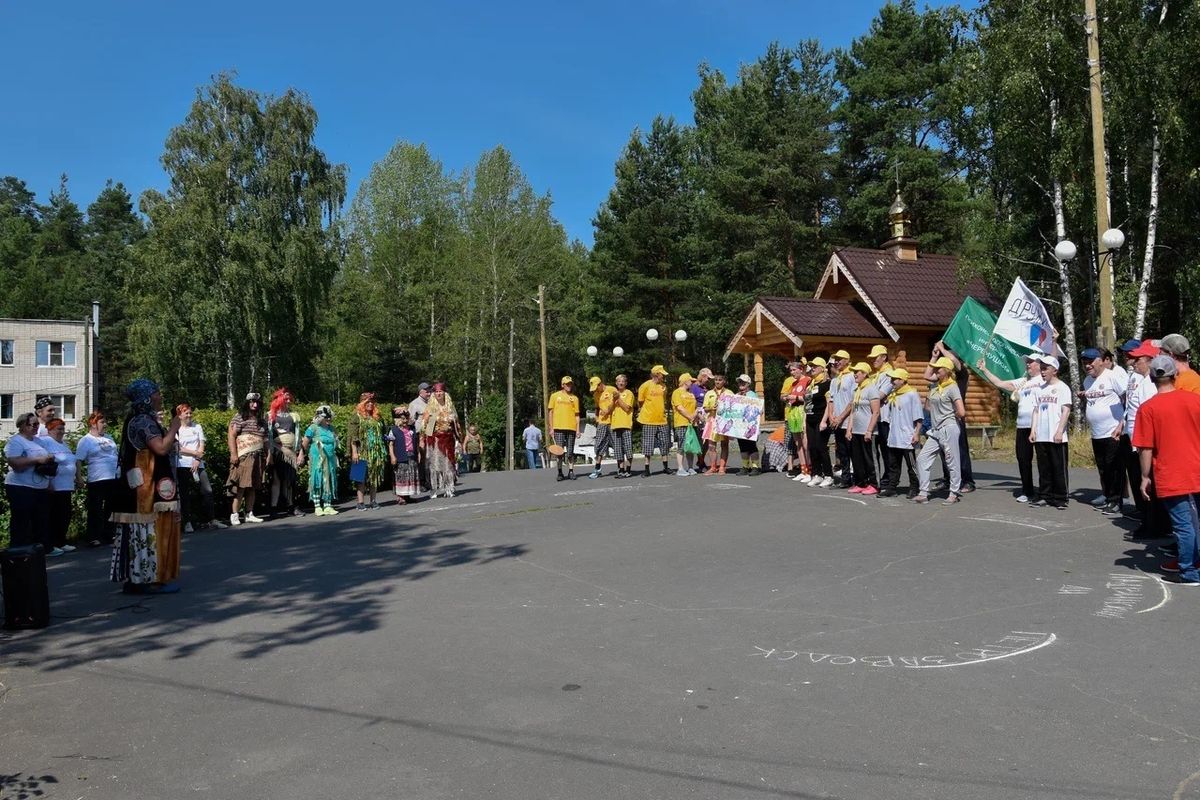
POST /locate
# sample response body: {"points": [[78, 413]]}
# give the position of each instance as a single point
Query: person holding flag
{"points": [[1023, 392]]}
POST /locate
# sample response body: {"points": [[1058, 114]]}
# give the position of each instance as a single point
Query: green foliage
{"points": [[491, 419]]}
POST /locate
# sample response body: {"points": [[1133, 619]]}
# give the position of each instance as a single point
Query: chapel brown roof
{"points": [[808, 317], [926, 292]]}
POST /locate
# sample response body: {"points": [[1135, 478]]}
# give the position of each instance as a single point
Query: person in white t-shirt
{"points": [[98, 453], [25, 487], [1022, 391], [1104, 392], [62, 485], [1048, 432], [190, 472]]}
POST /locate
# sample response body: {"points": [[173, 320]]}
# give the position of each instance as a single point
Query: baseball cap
{"points": [[565, 380], [1089, 354], [593, 382], [687, 376], [944, 363], [898, 372], [1130, 346], [1146, 348], [1163, 366], [659, 369], [423, 386], [862, 366], [841, 354], [876, 351], [818, 362], [1175, 345], [744, 378], [1049, 361]]}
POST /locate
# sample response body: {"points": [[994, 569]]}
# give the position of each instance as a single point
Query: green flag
{"points": [[970, 336]]}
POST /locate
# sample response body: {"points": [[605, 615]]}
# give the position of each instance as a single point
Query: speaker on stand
{"points": [[26, 591]]}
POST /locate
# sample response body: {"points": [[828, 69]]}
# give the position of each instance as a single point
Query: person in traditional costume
{"points": [[368, 451], [439, 426], [286, 454], [321, 443], [248, 434], [403, 444], [145, 503]]}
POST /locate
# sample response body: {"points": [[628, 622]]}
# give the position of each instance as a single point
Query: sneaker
{"points": [[855, 490], [667, 470], [251, 518], [570, 476], [593, 475], [1111, 510], [1061, 507], [234, 519], [837, 473], [296, 512], [58, 551], [869, 490], [450, 489], [68, 548], [1022, 498], [330, 511], [1181, 582], [1100, 502], [805, 478], [827, 481], [1039, 503], [888, 493], [920, 498], [187, 528], [374, 506], [558, 478], [951, 500], [966, 488], [1171, 566]]}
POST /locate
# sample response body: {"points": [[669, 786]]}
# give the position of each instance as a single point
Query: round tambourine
{"points": [[556, 450], [166, 488]]}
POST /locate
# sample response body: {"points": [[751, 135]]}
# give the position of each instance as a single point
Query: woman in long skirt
{"points": [[146, 503], [439, 427], [402, 452], [321, 443]]}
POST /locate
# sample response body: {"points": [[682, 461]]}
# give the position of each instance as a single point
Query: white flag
{"points": [[1025, 321]]}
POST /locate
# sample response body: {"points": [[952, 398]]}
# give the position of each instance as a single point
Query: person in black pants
{"points": [[1103, 391], [820, 465], [864, 417], [1155, 521], [26, 488], [1022, 391], [1048, 432]]}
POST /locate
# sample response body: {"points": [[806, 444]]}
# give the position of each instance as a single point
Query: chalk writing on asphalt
{"points": [[1013, 644]]}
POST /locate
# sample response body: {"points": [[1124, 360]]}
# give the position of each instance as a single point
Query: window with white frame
{"points": [[6, 406], [55, 354], [65, 403], [7, 353]]}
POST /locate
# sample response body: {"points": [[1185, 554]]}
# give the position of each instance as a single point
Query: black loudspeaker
{"points": [[26, 592]]}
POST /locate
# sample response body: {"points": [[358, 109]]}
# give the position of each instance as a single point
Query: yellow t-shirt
{"points": [[652, 403], [564, 411], [788, 383], [683, 398], [622, 419], [605, 400]]}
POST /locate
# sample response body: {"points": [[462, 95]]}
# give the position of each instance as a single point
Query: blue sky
{"points": [[92, 89]]}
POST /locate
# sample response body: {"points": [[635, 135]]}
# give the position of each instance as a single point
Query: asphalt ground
{"points": [[648, 638]]}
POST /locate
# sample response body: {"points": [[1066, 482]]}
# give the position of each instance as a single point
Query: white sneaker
{"points": [[837, 473], [251, 518], [825, 484], [234, 519], [188, 528], [68, 548], [55, 551], [802, 478], [450, 492], [1022, 499]]}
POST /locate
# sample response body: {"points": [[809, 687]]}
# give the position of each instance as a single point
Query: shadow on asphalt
{"points": [[312, 580]]}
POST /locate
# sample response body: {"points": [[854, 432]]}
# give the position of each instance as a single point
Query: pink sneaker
{"points": [[855, 490], [869, 490]]}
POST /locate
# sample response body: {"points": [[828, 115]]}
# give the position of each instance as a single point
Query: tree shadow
{"points": [[19, 786], [254, 589]]}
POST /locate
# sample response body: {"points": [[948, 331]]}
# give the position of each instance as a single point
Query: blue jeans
{"points": [[531, 459], [1184, 522]]}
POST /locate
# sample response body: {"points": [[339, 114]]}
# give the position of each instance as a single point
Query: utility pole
{"points": [[508, 441], [1091, 21], [545, 366]]}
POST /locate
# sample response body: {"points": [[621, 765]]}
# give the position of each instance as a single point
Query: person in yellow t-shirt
{"points": [[683, 403], [605, 399], [652, 415], [621, 426], [563, 411], [710, 409]]}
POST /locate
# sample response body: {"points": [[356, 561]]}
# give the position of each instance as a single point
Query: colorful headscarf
{"points": [[139, 393], [361, 408], [323, 412]]}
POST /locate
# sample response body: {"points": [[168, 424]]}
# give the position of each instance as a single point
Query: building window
{"points": [[55, 354], [6, 406], [7, 353], [65, 403]]}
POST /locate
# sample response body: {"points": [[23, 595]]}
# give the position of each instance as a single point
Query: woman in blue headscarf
{"points": [[146, 501]]}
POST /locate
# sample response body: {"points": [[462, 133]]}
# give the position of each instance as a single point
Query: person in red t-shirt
{"points": [[1167, 435]]}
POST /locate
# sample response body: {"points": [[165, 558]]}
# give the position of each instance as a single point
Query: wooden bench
{"points": [[987, 434]]}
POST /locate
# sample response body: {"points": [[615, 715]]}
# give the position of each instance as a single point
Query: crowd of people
{"points": [[860, 426]]}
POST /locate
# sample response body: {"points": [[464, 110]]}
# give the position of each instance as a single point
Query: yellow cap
{"points": [[593, 382], [899, 373], [876, 351], [659, 369], [566, 379], [862, 366], [842, 354], [818, 362], [943, 362], [687, 376]]}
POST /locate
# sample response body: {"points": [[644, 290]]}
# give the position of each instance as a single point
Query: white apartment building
{"points": [[47, 357]]}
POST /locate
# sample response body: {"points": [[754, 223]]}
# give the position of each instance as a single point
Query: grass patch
{"points": [[1079, 447]]}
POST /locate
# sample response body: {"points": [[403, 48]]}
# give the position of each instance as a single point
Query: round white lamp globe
{"points": [[681, 336], [1113, 239], [1065, 250], [618, 351], [592, 350], [652, 334]]}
